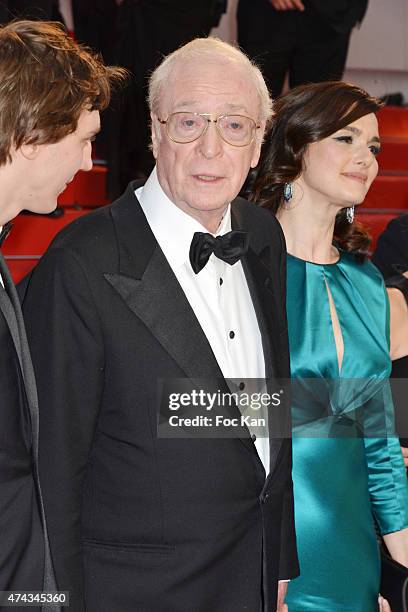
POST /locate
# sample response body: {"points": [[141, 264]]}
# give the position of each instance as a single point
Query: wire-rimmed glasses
{"points": [[184, 127]]}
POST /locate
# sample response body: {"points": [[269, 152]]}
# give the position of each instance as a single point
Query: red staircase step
{"points": [[393, 121], [388, 192], [31, 236], [394, 155], [87, 189]]}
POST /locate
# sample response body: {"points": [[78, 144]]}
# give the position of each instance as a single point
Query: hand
{"points": [[288, 5], [383, 604], [282, 588], [405, 455]]}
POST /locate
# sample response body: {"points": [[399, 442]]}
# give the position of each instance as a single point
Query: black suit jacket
{"points": [[28, 9], [391, 254], [391, 257], [139, 522], [24, 555], [342, 15]]}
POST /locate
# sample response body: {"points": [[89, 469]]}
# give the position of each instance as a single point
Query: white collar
{"points": [[172, 227]]}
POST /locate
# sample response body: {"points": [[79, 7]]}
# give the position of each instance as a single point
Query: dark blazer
{"points": [[342, 15], [29, 9], [391, 257], [391, 253], [139, 522], [24, 556]]}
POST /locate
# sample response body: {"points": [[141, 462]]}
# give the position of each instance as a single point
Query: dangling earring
{"points": [[287, 192], [350, 214]]}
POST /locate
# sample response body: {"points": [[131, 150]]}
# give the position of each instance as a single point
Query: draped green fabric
{"points": [[347, 465]]}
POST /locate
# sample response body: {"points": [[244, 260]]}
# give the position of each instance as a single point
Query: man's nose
{"points": [[87, 158], [210, 143]]}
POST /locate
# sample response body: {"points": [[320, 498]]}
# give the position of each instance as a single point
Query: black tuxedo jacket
{"points": [[24, 555], [139, 522]]}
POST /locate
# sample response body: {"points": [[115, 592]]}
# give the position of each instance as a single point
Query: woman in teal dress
{"points": [[318, 162]]}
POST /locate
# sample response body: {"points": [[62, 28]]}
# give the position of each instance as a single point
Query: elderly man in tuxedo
{"points": [[156, 288], [50, 95], [308, 39]]}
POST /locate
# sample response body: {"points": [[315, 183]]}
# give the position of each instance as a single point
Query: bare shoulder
{"points": [[398, 304], [398, 323]]}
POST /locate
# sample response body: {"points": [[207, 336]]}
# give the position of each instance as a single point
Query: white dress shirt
{"points": [[218, 294]]}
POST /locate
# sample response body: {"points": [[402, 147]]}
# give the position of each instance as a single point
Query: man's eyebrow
{"points": [[192, 103], [356, 131], [187, 103]]}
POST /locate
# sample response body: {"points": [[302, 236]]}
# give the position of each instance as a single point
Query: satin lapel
{"points": [[265, 301], [18, 332], [258, 281], [150, 289], [8, 310], [260, 284], [158, 300]]}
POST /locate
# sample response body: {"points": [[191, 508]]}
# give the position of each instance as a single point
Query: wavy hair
{"points": [[305, 115], [46, 81]]}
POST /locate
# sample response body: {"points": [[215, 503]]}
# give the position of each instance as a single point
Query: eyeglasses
{"points": [[236, 130]]}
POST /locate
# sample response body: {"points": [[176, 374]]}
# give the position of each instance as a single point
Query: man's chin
{"points": [[209, 208], [45, 208]]}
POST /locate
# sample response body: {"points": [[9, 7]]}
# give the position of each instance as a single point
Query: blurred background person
{"points": [[391, 254], [319, 160], [29, 9], [391, 257], [308, 39], [137, 35]]}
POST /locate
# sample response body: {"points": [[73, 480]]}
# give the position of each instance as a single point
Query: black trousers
{"points": [[302, 44]]}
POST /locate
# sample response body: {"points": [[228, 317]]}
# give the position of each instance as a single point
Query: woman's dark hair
{"points": [[304, 115]]}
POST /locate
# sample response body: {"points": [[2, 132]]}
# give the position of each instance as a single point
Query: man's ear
{"points": [[258, 144], [29, 151], [155, 134]]}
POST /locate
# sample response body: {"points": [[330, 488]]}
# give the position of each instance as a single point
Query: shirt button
{"points": [[241, 386], [221, 281], [232, 334]]}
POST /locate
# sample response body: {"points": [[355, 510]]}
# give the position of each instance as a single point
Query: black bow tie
{"points": [[230, 247], [5, 232]]}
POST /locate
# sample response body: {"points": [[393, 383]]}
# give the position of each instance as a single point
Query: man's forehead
{"points": [[205, 68], [226, 85], [89, 121]]}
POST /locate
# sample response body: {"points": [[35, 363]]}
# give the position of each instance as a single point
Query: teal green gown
{"points": [[347, 465]]}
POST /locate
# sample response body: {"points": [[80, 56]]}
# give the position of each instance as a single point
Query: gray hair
{"points": [[211, 48]]}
